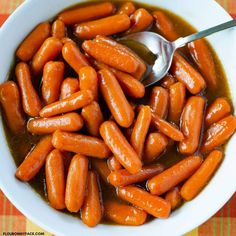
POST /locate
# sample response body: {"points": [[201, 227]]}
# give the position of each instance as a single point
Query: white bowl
{"points": [[201, 14]]}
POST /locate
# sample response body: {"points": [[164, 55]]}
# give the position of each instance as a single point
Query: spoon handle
{"points": [[180, 42]]}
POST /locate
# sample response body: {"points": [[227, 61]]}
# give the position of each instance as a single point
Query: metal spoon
{"points": [[164, 50]]}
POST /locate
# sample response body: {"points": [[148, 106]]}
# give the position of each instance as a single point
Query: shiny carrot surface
{"points": [[69, 86], [58, 29], [127, 8]]}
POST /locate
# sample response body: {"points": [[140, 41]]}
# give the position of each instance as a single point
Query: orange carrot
{"points": [[74, 102], [30, 99], [82, 144], [113, 164], [123, 214], [174, 175], [65, 40], [33, 41], [174, 198], [153, 205], [127, 8], [120, 147], [101, 167], [58, 29], [55, 179], [35, 159], [92, 209], [69, 86], [76, 183], [167, 81], [11, 104], [200, 178]]}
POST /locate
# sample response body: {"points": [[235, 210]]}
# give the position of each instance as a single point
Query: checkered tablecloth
{"points": [[223, 223]]}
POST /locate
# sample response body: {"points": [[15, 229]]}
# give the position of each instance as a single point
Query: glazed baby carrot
{"points": [[140, 21], [201, 54], [82, 144], [35, 159], [115, 98], [122, 177], [218, 110], [74, 102], [53, 74], [58, 29], [88, 80], [167, 81], [165, 26], [177, 93], [199, 179], [186, 74], [140, 130], [171, 177], [113, 164], [74, 57], [105, 26], [93, 118], [49, 50], [159, 101], [218, 133], [55, 179], [124, 214], [127, 8], [174, 198], [101, 167], [33, 41], [76, 183], [30, 99], [91, 213], [68, 122], [166, 128], [86, 13], [155, 144], [120, 147], [154, 205], [65, 40], [69, 86], [11, 104]]}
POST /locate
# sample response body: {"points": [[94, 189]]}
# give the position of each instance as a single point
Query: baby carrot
{"points": [[93, 118], [201, 54], [49, 50], [120, 147], [140, 21], [55, 179], [127, 8], [88, 80], [122, 177], [76, 183], [199, 179], [167, 129], [69, 86], [35, 159], [58, 29], [174, 198], [177, 93], [218, 133], [124, 214], [65, 40], [53, 74], [33, 41], [140, 130], [11, 104], [159, 101], [186, 74], [101, 167], [113, 164], [68, 122], [105, 26], [91, 213], [74, 57], [167, 81], [154, 205], [74, 102], [165, 26], [155, 144], [30, 99], [218, 110], [171, 177], [115, 98], [82, 144], [191, 124], [86, 13]]}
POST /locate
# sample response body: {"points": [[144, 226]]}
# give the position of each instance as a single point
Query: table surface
{"points": [[223, 223]]}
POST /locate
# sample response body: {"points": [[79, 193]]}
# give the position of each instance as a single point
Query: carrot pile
{"points": [[121, 148]]}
